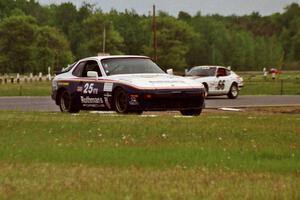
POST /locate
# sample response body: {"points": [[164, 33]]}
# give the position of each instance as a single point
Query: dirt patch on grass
{"points": [[277, 110]]}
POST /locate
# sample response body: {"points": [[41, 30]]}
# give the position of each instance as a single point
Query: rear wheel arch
{"points": [[234, 83]]}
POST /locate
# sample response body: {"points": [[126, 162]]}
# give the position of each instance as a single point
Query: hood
{"points": [[156, 81], [199, 78]]}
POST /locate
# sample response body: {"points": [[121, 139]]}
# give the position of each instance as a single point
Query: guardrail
{"points": [[18, 79]]}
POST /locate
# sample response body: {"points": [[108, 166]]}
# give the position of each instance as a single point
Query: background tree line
{"points": [[34, 37]]}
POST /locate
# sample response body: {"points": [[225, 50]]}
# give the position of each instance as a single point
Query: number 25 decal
{"points": [[88, 88]]}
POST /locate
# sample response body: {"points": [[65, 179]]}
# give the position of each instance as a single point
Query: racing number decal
{"points": [[91, 97], [221, 85], [88, 88]]}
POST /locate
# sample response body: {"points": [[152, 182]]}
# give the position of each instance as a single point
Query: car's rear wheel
{"points": [[67, 103], [193, 112], [233, 92], [121, 101]]}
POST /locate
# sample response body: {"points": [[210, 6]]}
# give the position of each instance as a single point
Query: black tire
{"points": [[67, 103], [233, 92], [194, 112], [121, 101]]}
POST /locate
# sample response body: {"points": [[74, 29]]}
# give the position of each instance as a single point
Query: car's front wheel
{"points": [[67, 103], [193, 112], [121, 101], [233, 92]]}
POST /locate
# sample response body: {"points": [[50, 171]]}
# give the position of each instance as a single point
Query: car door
{"points": [[89, 89], [221, 81], [212, 81], [228, 81]]}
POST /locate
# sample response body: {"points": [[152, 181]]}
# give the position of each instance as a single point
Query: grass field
{"points": [[247, 155]]}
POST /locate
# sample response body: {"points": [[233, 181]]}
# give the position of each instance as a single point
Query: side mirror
{"points": [[92, 74], [170, 71], [186, 71]]}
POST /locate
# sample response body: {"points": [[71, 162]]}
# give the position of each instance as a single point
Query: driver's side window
{"points": [[91, 65], [221, 72], [83, 67]]}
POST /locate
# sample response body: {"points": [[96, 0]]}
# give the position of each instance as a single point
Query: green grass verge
{"points": [[26, 89], [286, 87], [287, 83], [215, 156]]}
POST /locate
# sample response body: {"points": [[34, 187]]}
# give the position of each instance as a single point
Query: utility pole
{"points": [[154, 35], [104, 40]]}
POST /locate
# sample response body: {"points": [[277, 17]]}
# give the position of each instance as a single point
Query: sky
{"points": [[222, 7]]}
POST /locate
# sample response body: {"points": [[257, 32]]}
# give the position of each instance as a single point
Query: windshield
{"points": [[68, 68], [202, 71], [113, 66]]}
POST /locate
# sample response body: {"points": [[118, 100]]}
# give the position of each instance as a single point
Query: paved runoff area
{"points": [[47, 104]]}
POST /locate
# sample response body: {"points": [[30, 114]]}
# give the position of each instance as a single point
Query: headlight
{"points": [[54, 85]]}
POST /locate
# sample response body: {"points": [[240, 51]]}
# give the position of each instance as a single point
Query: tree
{"points": [[17, 34], [26, 47], [94, 27], [5, 8], [184, 16], [172, 39], [64, 15], [215, 45], [129, 24], [52, 49], [247, 42], [76, 33]]}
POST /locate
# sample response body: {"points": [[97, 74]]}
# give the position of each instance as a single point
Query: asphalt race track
{"points": [[47, 104]]}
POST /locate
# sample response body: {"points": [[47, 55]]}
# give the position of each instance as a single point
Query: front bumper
{"points": [[167, 100], [240, 86]]}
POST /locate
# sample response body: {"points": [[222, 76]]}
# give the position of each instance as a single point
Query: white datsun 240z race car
{"points": [[217, 80], [125, 84]]}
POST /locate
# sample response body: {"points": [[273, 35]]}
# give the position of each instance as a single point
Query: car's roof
{"points": [[208, 66], [113, 56]]}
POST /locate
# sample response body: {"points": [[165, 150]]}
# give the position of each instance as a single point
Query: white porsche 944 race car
{"points": [[217, 80], [125, 84]]}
